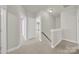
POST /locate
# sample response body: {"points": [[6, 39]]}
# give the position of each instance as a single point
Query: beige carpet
{"points": [[43, 47]]}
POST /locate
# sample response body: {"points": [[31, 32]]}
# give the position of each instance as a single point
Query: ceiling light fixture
{"points": [[50, 10]]}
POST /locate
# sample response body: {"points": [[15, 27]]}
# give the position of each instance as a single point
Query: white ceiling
{"points": [[12, 9], [35, 9]]}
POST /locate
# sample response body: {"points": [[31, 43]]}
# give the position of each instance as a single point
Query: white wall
{"points": [[68, 23], [48, 23], [3, 30], [58, 21], [13, 31], [78, 25], [0, 28]]}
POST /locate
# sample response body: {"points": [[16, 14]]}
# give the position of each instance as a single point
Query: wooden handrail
{"points": [[46, 36]]}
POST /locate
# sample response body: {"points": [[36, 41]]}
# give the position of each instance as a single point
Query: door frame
{"points": [[38, 28], [3, 29], [78, 27]]}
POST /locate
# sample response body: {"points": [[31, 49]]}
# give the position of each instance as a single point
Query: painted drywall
{"points": [[78, 25], [58, 21], [0, 28], [48, 22], [31, 27], [68, 23], [3, 31], [13, 30]]}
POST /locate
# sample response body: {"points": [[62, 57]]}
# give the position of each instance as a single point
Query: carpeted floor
{"points": [[43, 47]]}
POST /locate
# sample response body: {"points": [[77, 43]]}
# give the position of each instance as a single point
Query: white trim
{"points": [[40, 40], [3, 31], [14, 48], [38, 33], [32, 38], [78, 27], [70, 40], [73, 42], [57, 43], [53, 46], [52, 37]]}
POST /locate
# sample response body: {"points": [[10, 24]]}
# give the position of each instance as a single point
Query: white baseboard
{"points": [[53, 46], [31, 38], [70, 40], [73, 42], [57, 43], [14, 48]]}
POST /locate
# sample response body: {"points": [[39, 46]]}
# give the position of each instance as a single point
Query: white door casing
{"points": [[3, 30]]}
